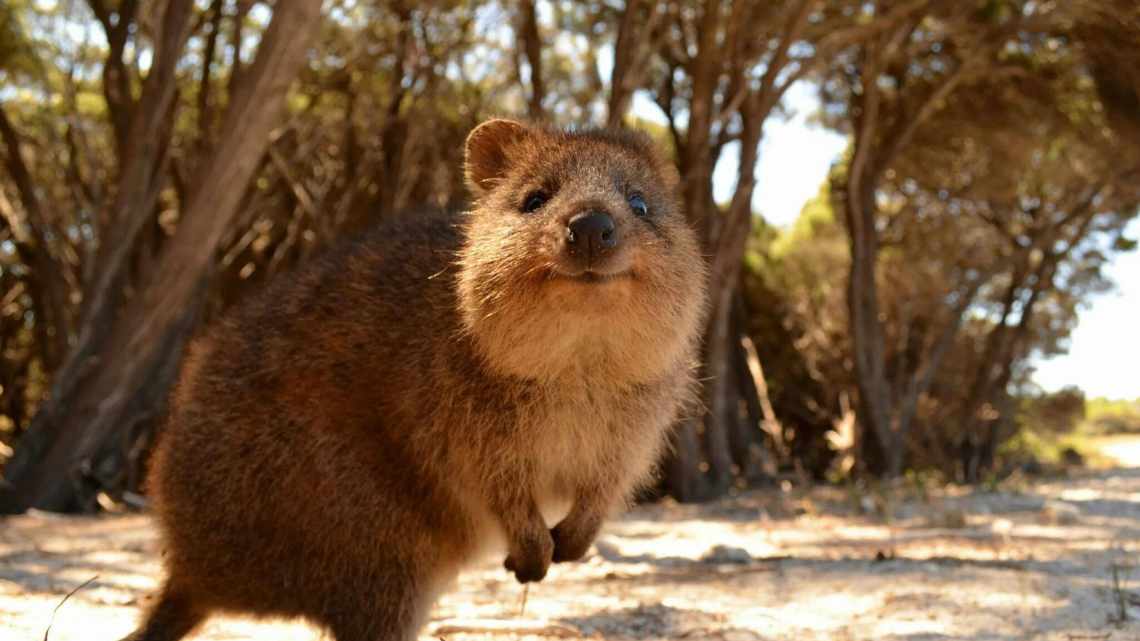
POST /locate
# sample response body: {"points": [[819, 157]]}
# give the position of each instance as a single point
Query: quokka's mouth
{"points": [[592, 277]]}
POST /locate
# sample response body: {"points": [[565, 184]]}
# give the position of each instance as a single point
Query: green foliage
{"points": [[18, 55], [797, 320], [816, 222], [1045, 451], [1108, 416], [1054, 413]]}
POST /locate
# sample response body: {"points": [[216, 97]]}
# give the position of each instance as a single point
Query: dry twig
{"points": [[51, 621]]}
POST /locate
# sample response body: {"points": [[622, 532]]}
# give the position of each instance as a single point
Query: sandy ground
{"points": [[1053, 559]]}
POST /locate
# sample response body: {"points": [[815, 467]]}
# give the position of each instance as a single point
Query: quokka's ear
{"points": [[486, 152]]}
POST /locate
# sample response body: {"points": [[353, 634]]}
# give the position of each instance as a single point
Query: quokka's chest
{"points": [[576, 433]]}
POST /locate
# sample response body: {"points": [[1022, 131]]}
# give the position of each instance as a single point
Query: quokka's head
{"points": [[578, 260]]}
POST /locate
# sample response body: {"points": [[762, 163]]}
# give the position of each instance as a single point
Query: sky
{"points": [[795, 155], [1104, 354]]}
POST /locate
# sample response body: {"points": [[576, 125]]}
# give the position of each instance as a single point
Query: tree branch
{"points": [[532, 48]]}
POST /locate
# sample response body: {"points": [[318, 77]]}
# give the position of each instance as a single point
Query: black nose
{"points": [[591, 234]]}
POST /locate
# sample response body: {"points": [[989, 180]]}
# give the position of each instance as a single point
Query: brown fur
{"points": [[443, 388]]}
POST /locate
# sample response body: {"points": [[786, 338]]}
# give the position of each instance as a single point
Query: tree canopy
{"points": [[163, 160]]}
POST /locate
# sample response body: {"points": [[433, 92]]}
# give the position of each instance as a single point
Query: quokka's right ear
{"points": [[486, 152]]}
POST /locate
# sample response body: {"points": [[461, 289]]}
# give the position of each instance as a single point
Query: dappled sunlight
{"points": [[761, 565], [817, 613], [682, 541], [1082, 494]]}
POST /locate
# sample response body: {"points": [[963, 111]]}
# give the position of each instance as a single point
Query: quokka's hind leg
{"points": [[388, 609], [174, 616]]}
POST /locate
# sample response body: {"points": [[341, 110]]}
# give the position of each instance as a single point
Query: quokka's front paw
{"points": [[530, 560], [571, 544]]}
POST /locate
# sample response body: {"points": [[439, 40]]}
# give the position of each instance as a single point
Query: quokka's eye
{"points": [[533, 201], [637, 204]]}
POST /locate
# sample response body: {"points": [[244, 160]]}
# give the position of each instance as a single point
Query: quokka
{"points": [[450, 385]]}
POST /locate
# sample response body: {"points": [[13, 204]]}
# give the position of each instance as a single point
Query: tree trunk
{"points": [[685, 479], [86, 442], [747, 437], [867, 331], [46, 281], [724, 234], [531, 40], [119, 229], [1003, 343], [636, 31], [116, 81], [717, 396], [682, 477], [696, 158]]}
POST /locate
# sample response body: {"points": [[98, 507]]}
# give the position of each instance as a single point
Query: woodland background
{"points": [[163, 159]]}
